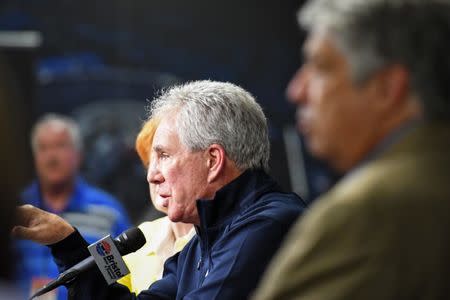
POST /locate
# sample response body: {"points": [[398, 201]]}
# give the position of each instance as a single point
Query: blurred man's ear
{"points": [[394, 86], [216, 158], [398, 83], [394, 102]]}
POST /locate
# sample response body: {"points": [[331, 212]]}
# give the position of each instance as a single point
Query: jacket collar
{"points": [[396, 136], [235, 196], [418, 138]]}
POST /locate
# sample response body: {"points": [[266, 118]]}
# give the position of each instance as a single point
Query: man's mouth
{"points": [[163, 200]]}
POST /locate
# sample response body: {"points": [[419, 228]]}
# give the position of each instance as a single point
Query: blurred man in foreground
{"points": [[56, 145], [374, 102], [207, 166]]}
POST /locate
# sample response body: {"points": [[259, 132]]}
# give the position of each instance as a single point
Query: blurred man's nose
{"points": [[297, 87]]}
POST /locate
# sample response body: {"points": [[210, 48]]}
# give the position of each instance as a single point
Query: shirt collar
{"points": [[387, 142]]}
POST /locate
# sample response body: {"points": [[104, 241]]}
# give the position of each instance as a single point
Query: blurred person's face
{"points": [[177, 176], [56, 158], [334, 114]]}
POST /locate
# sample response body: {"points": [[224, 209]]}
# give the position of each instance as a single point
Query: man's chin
{"points": [[174, 217], [57, 180], [161, 203], [184, 219], [316, 149]]}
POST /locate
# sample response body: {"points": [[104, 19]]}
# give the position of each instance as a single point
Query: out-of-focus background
{"points": [[101, 62]]}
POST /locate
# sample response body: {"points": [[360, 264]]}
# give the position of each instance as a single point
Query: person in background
{"points": [[373, 101], [208, 166], [164, 237], [56, 145]]}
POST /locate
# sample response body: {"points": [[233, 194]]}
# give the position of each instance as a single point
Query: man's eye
{"points": [[163, 155]]}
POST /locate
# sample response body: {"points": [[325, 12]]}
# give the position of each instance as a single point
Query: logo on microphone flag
{"points": [[103, 248]]}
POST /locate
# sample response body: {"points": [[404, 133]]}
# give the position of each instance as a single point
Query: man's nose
{"points": [[296, 91], [154, 175]]}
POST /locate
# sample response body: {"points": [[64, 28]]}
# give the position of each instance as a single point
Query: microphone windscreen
{"points": [[130, 240]]}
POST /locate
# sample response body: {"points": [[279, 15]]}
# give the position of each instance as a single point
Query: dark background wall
{"points": [[16, 83], [102, 61]]}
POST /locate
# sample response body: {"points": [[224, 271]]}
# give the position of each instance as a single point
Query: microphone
{"points": [[128, 241]]}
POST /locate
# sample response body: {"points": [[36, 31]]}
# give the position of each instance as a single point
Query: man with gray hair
{"points": [[56, 144], [208, 163], [374, 102]]}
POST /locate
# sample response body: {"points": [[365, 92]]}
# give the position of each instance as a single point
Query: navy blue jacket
{"points": [[241, 229]]}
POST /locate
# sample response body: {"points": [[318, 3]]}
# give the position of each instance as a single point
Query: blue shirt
{"points": [[241, 229], [92, 211]]}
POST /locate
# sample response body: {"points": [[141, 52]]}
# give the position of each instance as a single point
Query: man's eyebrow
{"points": [[157, 148]]}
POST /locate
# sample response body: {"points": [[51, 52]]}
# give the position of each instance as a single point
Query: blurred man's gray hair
{"points": [[210, 112], [61, 121], [375, 33]]}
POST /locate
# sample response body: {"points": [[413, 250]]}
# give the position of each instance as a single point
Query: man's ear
{"points": [[394, 85], [215, 160]]}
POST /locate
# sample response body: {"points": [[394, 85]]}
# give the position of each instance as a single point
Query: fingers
{"points": [[29, 233], [40, 226], [22, 232], [26, 213]]}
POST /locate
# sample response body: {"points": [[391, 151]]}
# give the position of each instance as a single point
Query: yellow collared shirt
{"points": [[146, 265]]}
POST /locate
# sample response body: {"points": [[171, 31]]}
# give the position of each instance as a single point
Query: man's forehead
{"points": [[52, 128], [166, 126], [165, 134], [321, 45]]}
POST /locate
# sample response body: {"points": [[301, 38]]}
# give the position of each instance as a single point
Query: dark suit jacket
{"points": [[383, 232]]}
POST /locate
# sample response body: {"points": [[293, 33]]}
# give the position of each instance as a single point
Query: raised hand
{"points": [[40, 226]]}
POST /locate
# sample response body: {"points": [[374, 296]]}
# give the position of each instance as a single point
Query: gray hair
{"points": [[375, 33], [63, 121], [221, 113]]}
